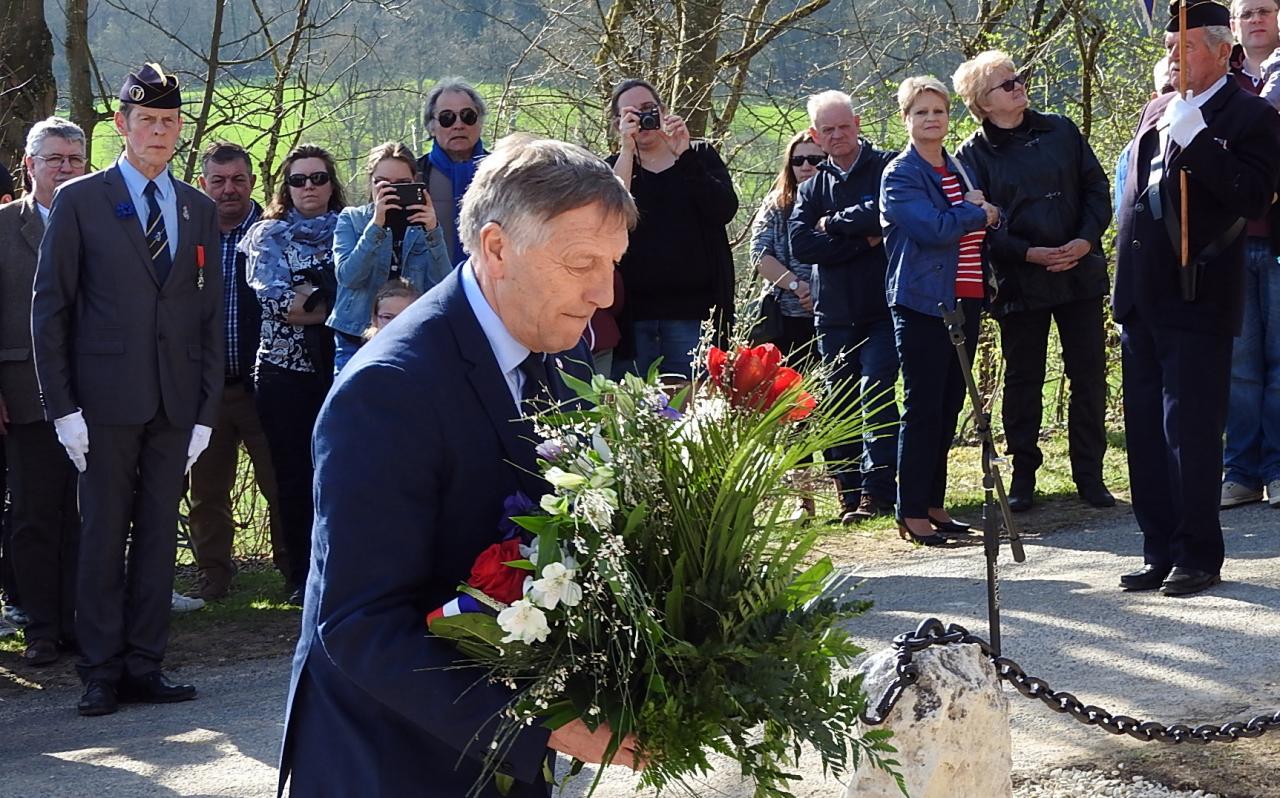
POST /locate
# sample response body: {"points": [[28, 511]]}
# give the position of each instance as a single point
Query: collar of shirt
{"points": [[236, 233], [509, 352], [166, 198], [44, 212], [1200, 99]]}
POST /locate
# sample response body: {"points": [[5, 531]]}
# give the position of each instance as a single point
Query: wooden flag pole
{"points": [[1182, 174]]}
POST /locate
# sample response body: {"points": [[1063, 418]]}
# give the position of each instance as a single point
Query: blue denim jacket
{"points": [[922, 232], [362, 260]]}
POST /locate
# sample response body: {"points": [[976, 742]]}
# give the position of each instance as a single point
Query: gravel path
{"points": [[1208, 658]]}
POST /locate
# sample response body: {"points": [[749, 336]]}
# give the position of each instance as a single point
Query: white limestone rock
{"points": [[951, 728]]}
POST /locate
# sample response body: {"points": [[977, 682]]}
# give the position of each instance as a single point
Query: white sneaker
{"points": [[1235, 494], [181, 603], [1273, 493]]}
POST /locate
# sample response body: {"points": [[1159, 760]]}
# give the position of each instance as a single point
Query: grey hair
{"points": [[528, 181], [1215, 35], [824, 98], [53, 126], [451, 84]]}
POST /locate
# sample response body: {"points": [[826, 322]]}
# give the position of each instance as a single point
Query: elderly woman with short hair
{"points": [[934, 221], [1048, 263]]}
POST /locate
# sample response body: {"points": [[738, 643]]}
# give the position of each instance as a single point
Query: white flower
{"points": [[602, 447], [552, 504], [557, 586], [563, 479], [596, 506], [524, 622]]}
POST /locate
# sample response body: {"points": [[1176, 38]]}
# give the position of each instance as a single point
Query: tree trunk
{"points": [[213, 65], [28, 92], [696, 75], [84, 111]]}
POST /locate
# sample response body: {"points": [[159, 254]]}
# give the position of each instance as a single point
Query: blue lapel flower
{"points": [[125, 210]]}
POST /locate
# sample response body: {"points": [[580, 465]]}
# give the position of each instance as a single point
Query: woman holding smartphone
{"points": [[385, 240]]}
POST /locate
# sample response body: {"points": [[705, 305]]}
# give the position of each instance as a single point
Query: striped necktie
{"points": [[157, 236]]}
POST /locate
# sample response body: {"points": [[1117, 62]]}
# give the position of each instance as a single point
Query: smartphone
{"points": [[406, 194]]}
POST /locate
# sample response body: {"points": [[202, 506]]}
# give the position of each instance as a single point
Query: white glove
{"points": [[1184, 120], [200, 435], [73, 434]]}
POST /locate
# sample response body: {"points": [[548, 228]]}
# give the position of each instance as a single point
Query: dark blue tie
{"points": [[535, 393], [157, 236]]}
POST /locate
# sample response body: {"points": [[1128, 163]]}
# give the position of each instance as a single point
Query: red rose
{"points": [[496, 580]]}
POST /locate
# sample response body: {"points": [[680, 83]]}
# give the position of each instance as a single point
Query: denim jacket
{"points": [[922, 232], [362, 260]]}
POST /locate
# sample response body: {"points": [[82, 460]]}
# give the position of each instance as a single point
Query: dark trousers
{"points": [[798, 341], [288, 403], [1024, 338], [8, 579], [1176, 385], [868, 366], [128, 503], [212, 478], [46, 529], [934, 392]]}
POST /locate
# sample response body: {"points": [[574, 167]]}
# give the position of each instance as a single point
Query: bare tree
{"points": [[27, 88]]}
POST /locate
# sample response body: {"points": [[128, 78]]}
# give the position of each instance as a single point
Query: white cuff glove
{"points": [[73, 434], [1184, 120], [200, 435]]}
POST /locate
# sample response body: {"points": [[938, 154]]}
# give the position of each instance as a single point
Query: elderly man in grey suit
{"points": [[42, 483], [127, 328]]}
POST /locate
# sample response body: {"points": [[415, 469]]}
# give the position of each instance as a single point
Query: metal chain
{"points": [[931, 632]]}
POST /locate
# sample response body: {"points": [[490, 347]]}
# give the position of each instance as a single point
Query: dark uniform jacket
{"points": [[1050, 189], [21, 228], [849, 274], [1232, 171]]}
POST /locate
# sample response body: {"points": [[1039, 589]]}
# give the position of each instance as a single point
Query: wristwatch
{"points": [[793, 285]]}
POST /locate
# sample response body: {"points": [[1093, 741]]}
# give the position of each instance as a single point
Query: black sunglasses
{"points": [[801, 160], [1010, 84], [467, 115], [299, 180]]}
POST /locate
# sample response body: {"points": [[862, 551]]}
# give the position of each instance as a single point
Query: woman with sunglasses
{"points": [[290, 266], [454, 116], [380, 242], [678, 267], [1048, 263], [935, 222]]}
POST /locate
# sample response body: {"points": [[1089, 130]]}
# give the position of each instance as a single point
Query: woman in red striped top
{"points": [[935, 224]]}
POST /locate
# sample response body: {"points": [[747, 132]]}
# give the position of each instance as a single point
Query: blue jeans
{"points": [[871, 361], [345, 347], [673, 340], [1252, 454]]}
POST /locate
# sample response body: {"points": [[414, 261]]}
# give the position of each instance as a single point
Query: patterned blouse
{"points": [[769, 236], [280, 252]]}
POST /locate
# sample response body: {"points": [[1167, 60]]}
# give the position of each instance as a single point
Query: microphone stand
{"points": [[995, 508]]}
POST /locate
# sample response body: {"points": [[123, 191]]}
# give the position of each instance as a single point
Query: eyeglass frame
{"points": [[1009, 85], [456, 115], [1259, 13], [61, 159], [316, 179]]}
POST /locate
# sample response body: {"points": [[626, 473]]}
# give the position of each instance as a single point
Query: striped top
{"points": [[969, 283]]}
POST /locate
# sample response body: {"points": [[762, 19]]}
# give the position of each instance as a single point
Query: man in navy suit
{"points": [[1176, 339], [418, 444]]}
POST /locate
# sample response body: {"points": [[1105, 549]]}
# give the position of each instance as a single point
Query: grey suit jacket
{"points": [[21, 229], [109, 338]]}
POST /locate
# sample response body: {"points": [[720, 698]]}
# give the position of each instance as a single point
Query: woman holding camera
{"points": [[290, 267], [935, 222], [678, 267], [382, 241]]}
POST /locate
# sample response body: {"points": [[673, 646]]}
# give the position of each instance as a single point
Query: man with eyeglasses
{"points": [[126, 324], [1251, 459], [41, 480], [454, 116], [835, 225]]}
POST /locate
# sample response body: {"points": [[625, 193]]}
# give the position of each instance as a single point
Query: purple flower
{"points": [[125, 210], [514, 505], [662, 406], [550, 450]]}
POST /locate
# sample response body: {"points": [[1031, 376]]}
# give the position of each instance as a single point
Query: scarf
{"points": [[270, 238], [460, 174]]}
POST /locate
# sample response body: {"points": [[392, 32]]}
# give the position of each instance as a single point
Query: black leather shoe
{"points": [[99, 698], [1097, 495], [952, 527], [154, 688], [1148, 577], [1021, 498], [1185, 581]]}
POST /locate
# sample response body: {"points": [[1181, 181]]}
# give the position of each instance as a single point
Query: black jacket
{"points": [[848, 274], [1051, 190], [1231, 173]]}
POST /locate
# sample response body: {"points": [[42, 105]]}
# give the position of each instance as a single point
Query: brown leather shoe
{"points": [[210, 588], [40, 652]]}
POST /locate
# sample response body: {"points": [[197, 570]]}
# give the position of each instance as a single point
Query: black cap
{"points": [[6, 181], [1200, 14], [150, 87]]}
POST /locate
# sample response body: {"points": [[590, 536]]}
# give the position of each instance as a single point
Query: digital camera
{"points": [[650, 120]]}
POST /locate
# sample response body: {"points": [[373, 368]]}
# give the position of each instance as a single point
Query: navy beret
{"points": [[151, 87], [1200, 14]]}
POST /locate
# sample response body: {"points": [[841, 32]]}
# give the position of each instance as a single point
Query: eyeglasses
{"points": [[467, 115], [1010, 84], [1257, 13], [56, 161], [801, 160], [299, 180]]}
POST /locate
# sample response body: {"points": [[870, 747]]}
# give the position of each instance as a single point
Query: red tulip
{"points": [[753, 367], [805, 403], [783, 381], [716, 360]]}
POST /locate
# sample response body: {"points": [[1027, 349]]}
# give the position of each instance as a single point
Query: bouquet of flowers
{"points": [[660, 587]]}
